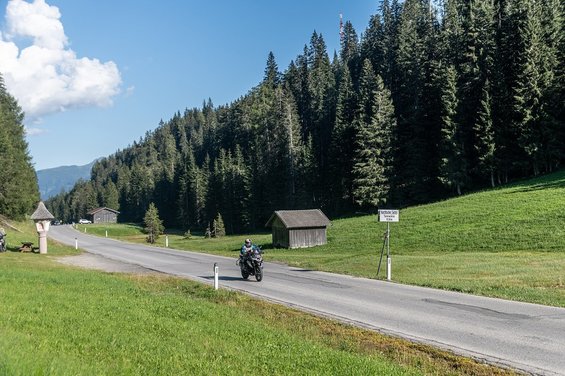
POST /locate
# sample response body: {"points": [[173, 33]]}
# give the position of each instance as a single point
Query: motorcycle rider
{"points": [[247, 249]]}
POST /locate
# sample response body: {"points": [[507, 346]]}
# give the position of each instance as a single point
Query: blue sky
{"points": [[93, 76]]}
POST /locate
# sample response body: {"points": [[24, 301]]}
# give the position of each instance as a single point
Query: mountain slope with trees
{"points": [[430, 101], [61, 179]]}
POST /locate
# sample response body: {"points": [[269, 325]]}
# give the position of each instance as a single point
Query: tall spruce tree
{"points": [[350, 50], [373, 44], [528, 86], [484, 135], [553, 116], [19, 191], [321, 86], [390, 19], [476, 67], [111, 196], [452, 165], [240, 193], [413, 159], [343, 144], [189, 199], [272, 74], [372, 167]]}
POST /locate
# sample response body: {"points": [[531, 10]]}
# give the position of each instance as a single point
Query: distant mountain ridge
{"points": [[54, 180]]}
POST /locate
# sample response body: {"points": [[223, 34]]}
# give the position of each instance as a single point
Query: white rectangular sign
{"points": [[388, 215]]}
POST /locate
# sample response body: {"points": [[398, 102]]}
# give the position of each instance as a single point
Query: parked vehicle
{"points": [[252, 264], [2, 242], [84, 221]]}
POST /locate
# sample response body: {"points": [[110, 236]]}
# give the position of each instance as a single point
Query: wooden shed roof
{"points": [[300, 218], [94, 211]]}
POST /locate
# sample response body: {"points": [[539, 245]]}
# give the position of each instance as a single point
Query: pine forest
{"points": [[432, 100]]}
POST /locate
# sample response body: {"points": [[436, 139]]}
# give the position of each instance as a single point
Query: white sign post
{"points": [[388, 215]]}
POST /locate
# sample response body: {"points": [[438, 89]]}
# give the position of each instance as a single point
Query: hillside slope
{"points": [[54, 180], [526, 216]]}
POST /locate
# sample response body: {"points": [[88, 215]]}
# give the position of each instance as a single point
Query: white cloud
{"points": [[34, 131], [47, 76], [129, 91]]}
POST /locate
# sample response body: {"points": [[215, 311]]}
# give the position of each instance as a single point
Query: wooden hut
{"points": [[103, 215], [298, 228]]}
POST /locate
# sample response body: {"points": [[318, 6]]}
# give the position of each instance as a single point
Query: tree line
{"points": [[432, 100], [19, 191]]}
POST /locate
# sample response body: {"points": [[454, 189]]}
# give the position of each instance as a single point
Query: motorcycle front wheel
{"points": [[258, 273], [244, 273]]}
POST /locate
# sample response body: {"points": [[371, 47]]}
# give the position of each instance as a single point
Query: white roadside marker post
{"points": [[215, 276], [166, 241], [76, 243], [106, 233]]}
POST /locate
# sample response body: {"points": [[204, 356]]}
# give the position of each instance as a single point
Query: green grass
{"points": [[507, 242], [61, 320]]}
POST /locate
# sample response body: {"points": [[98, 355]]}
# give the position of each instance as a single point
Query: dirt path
{"points": [[91, 261]]}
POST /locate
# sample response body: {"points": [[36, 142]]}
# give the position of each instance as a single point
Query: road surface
{"points": [[527, 337]]}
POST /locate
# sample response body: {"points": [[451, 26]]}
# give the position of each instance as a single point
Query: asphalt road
{"points": [[523, 336]]}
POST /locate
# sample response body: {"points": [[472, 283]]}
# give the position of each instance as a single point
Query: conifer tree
{"points": [[476, 67], [453, 32], [240, 182], [350, 50], [153, 224], [390, 19], [272, 75], [321, 87], [188, 193], [528, 86], [19, 191], [111, 196], [485, 144], [343, 142], [291, 145], [218, 229], [305, 183], [373, 44], [413, 158], [554, 31], [373, 162], [452, 165]]}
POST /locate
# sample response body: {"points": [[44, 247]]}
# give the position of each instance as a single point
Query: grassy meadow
{"points": [[61, 320], [507, 242]]}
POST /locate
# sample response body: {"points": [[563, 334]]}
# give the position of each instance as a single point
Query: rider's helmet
{"points": [[248, 242]]}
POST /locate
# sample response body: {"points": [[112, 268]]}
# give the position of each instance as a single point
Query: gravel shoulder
{"points": [[91, 261]]}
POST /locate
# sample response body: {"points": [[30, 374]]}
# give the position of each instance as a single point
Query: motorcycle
{"points": [[252, 264], [2, 242]]}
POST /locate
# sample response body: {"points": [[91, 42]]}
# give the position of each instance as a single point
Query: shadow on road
{"points": [[225, 278]]}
